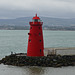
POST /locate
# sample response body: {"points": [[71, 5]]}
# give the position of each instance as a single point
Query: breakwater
{"points": [[45, 61]]}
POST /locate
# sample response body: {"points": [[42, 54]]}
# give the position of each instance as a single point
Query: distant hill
{"points": [[15, 22], [48, 23]]}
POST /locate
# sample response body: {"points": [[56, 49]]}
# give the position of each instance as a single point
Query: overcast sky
{"points": [[47, 8]]}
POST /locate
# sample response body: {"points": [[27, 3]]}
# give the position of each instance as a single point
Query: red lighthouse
{"points": [[35, 41]]}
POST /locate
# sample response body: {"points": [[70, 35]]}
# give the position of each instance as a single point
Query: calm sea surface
{"points": [[16, 41]]}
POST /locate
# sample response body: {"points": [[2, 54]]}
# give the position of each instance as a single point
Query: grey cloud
{"points": [[55, 8]]}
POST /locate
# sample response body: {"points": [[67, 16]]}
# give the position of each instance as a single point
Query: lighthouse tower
{"points": [[35, 41]]}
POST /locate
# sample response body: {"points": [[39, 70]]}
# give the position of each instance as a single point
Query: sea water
{"points": [[16, 41]]}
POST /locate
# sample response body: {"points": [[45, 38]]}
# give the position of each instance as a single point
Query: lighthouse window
{"points": [[39, 34], [35, 20], [40, 50], [30, 27], [29, 40], [40, 40], [39, 27]]}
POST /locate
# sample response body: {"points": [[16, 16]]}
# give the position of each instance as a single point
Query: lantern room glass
{"points": [[36, 20]]}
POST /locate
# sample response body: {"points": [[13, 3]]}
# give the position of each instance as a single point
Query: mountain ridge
{"points": [[48, 22]]}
